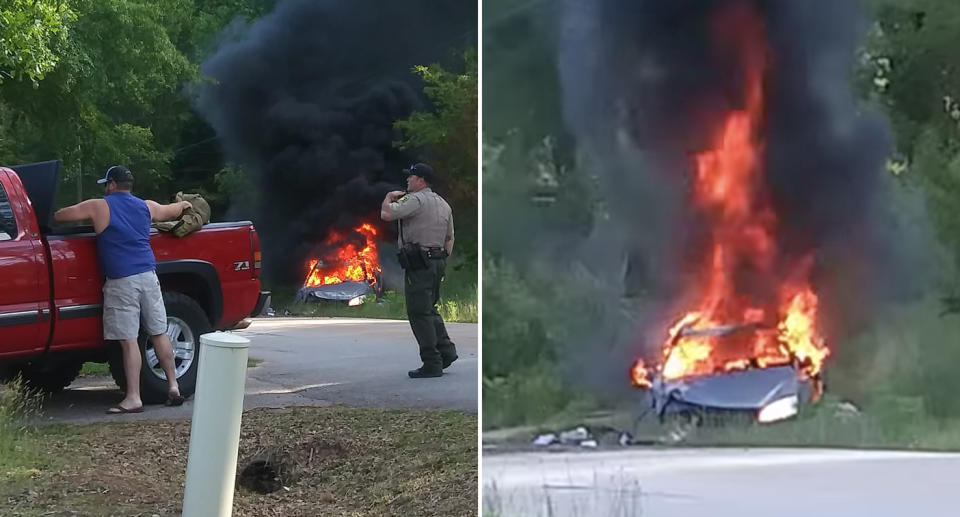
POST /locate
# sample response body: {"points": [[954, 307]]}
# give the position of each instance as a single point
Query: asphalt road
{"points": [[313, 362], [722, 483]]}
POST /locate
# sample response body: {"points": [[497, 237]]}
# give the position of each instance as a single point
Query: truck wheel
{"points": [[186, 322], [50, 376]]}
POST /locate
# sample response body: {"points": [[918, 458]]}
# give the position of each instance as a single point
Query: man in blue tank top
{"points": [[131, 291]]}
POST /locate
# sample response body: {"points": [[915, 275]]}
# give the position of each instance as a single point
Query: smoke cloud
{"points": [[306, 97]]}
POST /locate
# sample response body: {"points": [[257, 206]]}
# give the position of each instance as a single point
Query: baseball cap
{"points": [[117, 173], [424, 171]]}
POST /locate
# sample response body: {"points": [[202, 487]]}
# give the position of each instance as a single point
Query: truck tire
{"points": [[50, 376], [187, 321]]}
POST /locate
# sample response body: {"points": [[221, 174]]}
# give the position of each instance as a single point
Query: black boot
{"points": [[447, 361], [423, 373]]}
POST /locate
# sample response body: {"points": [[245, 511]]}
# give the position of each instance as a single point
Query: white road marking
{"points": [[284, 391], [268, 323]]}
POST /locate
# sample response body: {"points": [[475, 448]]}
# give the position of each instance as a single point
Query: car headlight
{"points": [[355, 301], [779, 409]]}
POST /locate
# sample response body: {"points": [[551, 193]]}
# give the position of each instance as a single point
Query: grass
{"points": [[18, 447], [898, 422], [94, 369], [392, 306], [102, 369], [529, 396], [895, 423], [343, 461]]}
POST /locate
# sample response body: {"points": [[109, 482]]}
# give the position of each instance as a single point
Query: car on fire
{"points": [[347, 270], [764, 392], [340, 290]]}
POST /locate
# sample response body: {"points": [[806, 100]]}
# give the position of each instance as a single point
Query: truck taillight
{"points": [[255, 259]]}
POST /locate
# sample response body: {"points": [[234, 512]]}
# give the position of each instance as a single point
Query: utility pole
{"points": [[79, 167]]}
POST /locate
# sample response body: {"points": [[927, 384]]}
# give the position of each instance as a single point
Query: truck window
{"points": [[8, 225]]}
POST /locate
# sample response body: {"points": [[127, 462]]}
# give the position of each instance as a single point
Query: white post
{"points": [[215, 429]]}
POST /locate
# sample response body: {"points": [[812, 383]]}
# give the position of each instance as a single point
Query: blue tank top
{"points": [[124, 246]]}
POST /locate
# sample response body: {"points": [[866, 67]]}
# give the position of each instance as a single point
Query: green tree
{"points": [[913, 71], [117, 93], [115, 96], [29, 32], [449, 133]]}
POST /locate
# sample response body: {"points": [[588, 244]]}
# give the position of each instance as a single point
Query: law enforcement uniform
{"points": [[426, 219]]}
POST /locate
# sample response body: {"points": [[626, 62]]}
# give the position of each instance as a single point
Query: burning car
{"points": [[765, 388], [746, 337], [347, 271]]}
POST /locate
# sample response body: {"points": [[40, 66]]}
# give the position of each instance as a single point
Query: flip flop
{"points": [[120, 410], [174, 400]]}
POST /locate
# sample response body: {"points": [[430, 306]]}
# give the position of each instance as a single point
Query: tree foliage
{"points": [[448, 132], [914, 73], [30, 30], [100, 82]]}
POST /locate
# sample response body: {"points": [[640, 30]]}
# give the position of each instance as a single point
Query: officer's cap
{"points": [[424, 171]]}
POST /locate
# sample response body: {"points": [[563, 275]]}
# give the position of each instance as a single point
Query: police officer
{"points": [[426, 240]]}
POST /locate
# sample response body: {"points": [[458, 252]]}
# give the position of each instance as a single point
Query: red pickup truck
{"points": [[51, 298]]}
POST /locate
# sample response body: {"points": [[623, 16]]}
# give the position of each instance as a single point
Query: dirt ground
{"points": [[340, 461]]}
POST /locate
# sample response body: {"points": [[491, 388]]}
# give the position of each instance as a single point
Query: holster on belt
{"points": [[412, 256]]}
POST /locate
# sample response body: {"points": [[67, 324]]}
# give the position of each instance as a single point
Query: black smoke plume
{"points": [[644, 84], [306, 97]]}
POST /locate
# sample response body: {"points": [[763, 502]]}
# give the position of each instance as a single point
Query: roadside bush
{"points": [[514, 322], [17, 447], [524, 397], [912, 351], [539, 326]]}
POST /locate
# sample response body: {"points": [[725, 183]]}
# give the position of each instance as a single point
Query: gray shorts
{"points": [[129, 301]]}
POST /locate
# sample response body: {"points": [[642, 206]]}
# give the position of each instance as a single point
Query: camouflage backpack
{"points": [[192, 219]]}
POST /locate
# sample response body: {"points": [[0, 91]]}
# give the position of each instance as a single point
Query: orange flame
{"points": [[348, 264], [730, 191], [640, 375]]}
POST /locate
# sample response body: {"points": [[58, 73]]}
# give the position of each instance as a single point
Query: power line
{"points": [[212, 138]]}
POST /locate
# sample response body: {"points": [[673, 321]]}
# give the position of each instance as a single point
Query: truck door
{"points": [[24, 286]]}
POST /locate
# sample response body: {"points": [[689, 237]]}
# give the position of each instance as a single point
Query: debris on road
{"points": [[586, 438], [545, 439], [574, 436], [846, 410]]}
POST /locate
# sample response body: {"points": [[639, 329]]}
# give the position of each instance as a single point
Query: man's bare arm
{"points": [[82, 211], [160, 212]]}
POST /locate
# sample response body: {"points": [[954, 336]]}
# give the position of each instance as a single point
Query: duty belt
{"points": [[435, 253]]}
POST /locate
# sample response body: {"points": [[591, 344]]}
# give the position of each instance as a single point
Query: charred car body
{"points": [[747, 389]]}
